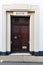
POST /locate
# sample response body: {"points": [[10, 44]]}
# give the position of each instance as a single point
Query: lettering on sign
{"points": [[20, 13]]}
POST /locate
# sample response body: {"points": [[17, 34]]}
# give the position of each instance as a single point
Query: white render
{"points": [[8, 10], [29, 2]]}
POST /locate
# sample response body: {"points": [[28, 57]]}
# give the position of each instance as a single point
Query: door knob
{"points": [[15, 37]]}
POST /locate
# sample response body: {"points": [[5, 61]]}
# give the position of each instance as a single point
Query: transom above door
{"points": [[20, 34]]}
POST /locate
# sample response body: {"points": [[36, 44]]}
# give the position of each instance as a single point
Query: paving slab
{"points": [[21, 58]]}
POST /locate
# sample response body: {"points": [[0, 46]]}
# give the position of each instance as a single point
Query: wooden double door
{"points": [[19, 34]]}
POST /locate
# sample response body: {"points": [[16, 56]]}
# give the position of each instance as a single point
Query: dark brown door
{"points": [[19, 34]]}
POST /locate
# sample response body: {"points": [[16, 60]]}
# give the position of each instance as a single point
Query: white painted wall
{"points": [[32, 2]]}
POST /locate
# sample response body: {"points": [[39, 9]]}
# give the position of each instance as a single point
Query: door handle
{"points": [[15, 37]]}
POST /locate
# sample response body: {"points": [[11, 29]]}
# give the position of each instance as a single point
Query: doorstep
{"points": [[21, 58], [20, 54]]}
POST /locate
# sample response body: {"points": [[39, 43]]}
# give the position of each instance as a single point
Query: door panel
{"points": [[19, 36]]}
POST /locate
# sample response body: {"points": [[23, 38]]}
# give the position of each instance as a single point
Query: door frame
{"points": [[33, 12]]}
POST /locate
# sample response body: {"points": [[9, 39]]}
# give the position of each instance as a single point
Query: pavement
{"points": [[21, 58]]}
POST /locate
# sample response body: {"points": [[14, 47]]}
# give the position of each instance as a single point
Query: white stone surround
{"points": [[20, 54], [33, 12]]}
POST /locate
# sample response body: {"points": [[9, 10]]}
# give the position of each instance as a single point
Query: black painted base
{"points": [[39, 53], [33, 53], [4, 53]]}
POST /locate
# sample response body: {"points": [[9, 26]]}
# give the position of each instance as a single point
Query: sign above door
{"points": [[20, 13]]}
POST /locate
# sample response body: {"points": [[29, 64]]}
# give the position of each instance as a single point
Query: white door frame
{"points": [[33, 11]]}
